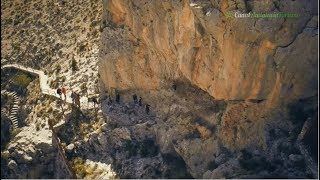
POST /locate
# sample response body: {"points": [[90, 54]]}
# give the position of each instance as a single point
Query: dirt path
{"points": [[45, 88]]}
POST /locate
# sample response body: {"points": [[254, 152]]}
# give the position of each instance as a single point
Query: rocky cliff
{"points": [[229, 58], [242, 85]]}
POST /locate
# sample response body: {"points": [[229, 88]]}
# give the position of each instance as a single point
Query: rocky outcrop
{"points": [[31, 154], [145, 44]]}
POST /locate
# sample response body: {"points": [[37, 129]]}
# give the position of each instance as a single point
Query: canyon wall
{"points": [[243, 85], [230, 58]]}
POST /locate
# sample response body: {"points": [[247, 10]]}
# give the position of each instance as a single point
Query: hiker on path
{"points": [[95, 101], [73, 96], [135, 99], [109, 100], [118, 98], [147, 108], [59, 92], [64, 92], [140, 101]]}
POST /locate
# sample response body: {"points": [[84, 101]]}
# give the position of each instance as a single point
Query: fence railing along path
{"points": [[45, 88]]}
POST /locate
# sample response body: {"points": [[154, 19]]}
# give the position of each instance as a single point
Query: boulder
{"points": [[122, 133], [12, 164], [104, 127], [27, 158], [229, 169], [102, 139], [70, 147]]}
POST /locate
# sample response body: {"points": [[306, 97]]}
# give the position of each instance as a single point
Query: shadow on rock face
{"points": [[300, 111]]}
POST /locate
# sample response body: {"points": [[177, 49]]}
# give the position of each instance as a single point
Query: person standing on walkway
{"points": [[64, 92], [147, 108], [77, 99], [118, 98], [135, 99], [59, 92], [109, 100], [140, 101], [73, 97], [95, 101]]}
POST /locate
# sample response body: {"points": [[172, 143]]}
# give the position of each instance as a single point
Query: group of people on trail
{"points": [[136, 101], [74, 96], [139, 102], [62, 91]]}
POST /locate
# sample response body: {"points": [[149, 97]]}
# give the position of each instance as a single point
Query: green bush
{"points": [[22, 80], [58, 68], [79, 167], [74, 65], [82, 47]]}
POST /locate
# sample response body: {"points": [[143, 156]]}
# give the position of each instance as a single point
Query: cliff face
{"points": [[230, 58], [242, 83]]}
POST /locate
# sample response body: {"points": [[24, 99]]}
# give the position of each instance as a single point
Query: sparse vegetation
{"points": [[58, 68], [74, 65], [79, 167], [22, 80], [84, 171]]}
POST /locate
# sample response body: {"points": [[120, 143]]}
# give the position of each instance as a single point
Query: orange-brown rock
{"points": [[230, 58]]}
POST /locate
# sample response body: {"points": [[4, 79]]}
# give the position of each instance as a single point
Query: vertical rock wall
{"points": [[147, 43]]}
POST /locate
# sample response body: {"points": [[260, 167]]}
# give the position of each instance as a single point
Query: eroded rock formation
{"points": [[230, 58], [244, 85]]}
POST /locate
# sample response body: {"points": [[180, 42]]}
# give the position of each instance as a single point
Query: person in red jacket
{"points": [[64, 92]]}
